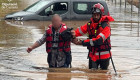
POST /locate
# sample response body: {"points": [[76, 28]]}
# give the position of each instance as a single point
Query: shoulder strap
{"points": [[63, 28], [104, 24], [49, 31], [88, 26], [89, 23]]}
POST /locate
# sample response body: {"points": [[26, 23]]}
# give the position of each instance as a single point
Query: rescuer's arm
{"points": [[99, 40], [79, 31], [37, 43]]}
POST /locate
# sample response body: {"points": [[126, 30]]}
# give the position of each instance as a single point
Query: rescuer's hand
{"points": [[85, 43]]}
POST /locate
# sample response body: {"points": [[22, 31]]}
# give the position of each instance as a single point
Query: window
{"points": [[60, 8], [56, 8], [36, 6], [50, 8], [82, 8]]}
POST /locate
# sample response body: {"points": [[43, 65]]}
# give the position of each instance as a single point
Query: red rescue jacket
{"points": [[62, 46], [99, 37]]}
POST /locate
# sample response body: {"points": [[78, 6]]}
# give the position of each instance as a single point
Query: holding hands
{"points": [[76, 40]]}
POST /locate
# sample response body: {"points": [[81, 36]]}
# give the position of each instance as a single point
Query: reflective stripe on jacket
{"points": [[99, 37]]}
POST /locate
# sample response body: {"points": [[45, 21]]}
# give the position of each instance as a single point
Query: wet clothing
{"points": [[99, 64], [98, 43], [59, 51], [59, 59]]}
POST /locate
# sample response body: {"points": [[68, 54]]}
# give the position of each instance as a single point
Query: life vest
{"points": [[99, 51], [62, 45]]}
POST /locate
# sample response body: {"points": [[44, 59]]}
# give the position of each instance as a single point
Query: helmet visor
{"points": [[96, 10]]}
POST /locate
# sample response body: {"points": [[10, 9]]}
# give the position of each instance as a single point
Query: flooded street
{"points": [[17, 64]]}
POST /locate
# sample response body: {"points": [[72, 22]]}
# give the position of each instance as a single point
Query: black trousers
{"points": [[102, 64]]}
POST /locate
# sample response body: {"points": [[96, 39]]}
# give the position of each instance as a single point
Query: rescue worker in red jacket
{"points": [[98, 42], [58, 49]]}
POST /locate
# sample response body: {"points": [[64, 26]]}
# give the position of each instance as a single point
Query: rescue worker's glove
{"points": [[85, 43], [66, 35]]}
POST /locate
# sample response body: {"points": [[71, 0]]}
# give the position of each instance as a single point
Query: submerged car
{"points": [[43, 10]]}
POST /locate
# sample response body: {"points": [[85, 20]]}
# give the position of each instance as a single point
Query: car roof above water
{"points": [[77, 0]]}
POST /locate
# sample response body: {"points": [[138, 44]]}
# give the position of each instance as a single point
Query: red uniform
{"points": [[99, 37]]}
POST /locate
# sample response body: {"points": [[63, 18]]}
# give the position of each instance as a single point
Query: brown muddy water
{"points": [[17, 64]]}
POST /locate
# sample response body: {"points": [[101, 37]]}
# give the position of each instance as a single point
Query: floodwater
{"points": [[17, 64]]}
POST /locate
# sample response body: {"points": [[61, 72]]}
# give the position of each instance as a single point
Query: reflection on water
{"points": [[11, 36], [17, 64], [78, 76]]}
